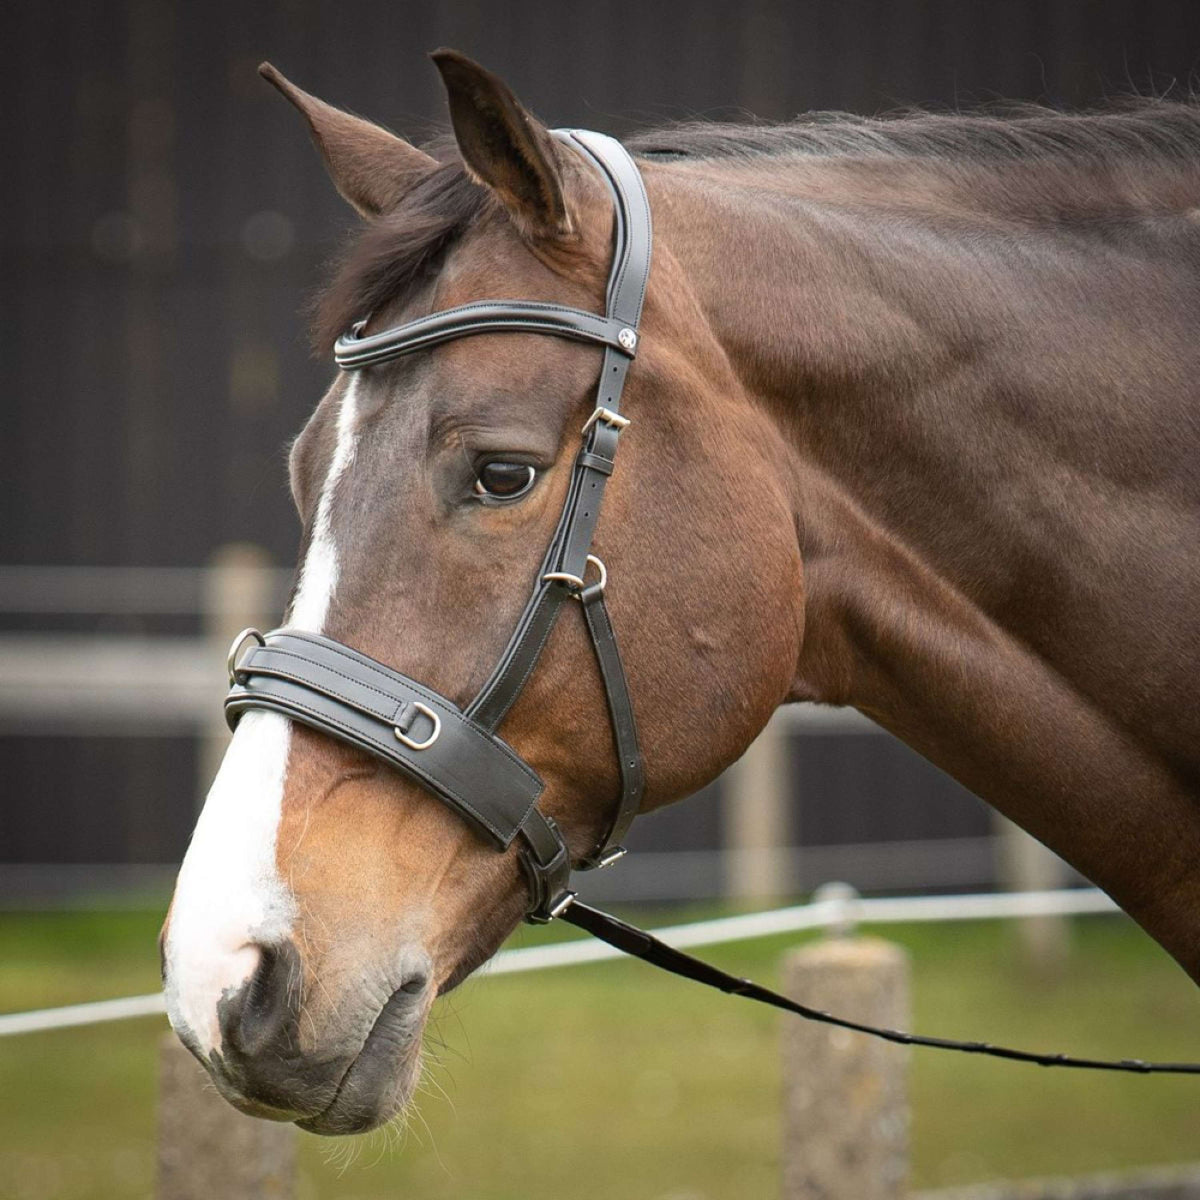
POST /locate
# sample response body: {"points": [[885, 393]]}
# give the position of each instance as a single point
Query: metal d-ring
{"points": [[433, 737], [235, 649], [574, 582]]}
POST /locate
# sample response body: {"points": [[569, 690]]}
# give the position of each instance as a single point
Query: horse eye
{"points": [[504, 480]]}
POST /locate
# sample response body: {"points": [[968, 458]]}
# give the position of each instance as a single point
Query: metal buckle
{"points": [[235, 648], [574, 582], [561, 905], [607, 860], [433, 737], [606, 415]]}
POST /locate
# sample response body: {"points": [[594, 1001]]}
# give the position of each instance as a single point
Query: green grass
{"points": [[613, 1081]]}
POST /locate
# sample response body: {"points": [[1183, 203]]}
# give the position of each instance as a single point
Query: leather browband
{"points": [[356, 349], [455, 753]]}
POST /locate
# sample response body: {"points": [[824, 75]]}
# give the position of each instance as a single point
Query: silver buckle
{"points": [[615, 420], [433, 737], [607, 860], [574, 582], [235, 650], [562, 904]]}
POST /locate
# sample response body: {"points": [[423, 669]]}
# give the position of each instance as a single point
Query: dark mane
{"points": [[398, 251]]}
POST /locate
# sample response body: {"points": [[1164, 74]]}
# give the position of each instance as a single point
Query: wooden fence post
{"points": [[238, 593], [845, 1094], [1025, 865], [755, 802], [206, 1148]]}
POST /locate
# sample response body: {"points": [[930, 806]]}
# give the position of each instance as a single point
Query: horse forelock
{"points": [[400, 249]]}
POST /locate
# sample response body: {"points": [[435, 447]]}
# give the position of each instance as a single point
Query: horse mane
{"points": [[404, 247], [1132, 129]]}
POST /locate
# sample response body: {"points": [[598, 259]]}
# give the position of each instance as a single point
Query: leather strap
{"points": [[624, 727], [321, 682], [354, 349], [640, 944]]}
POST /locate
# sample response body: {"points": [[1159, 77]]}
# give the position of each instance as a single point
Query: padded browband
{"points": [[354, 349], [457, 754]]}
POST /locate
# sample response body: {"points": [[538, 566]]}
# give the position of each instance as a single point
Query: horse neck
{"points": [[931, 603]]}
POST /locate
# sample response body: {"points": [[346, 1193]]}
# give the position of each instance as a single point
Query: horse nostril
{"points": [[415, 985], [261, 1010]]}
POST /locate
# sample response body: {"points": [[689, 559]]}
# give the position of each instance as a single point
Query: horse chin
{"points": [[381, 1079]]}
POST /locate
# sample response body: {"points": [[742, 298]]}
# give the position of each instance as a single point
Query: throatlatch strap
{"points": [[640, 944], [624, 727]]}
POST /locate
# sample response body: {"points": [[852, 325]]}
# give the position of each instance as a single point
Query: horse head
{"points": [[326, 900]]}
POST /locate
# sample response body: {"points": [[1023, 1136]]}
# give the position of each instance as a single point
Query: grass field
{"points": [[613, 1081]]}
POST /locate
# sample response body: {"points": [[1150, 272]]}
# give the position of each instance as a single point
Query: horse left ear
{"points": [[504, 147]]}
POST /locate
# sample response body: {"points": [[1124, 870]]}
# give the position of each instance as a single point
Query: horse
{"points": [[914, 430]]}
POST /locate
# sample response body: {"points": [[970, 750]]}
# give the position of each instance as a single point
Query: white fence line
{"points": [[840, 912], [140, 591]]}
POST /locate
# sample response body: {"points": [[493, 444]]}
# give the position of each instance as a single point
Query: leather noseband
{"points": [[457, 753]]}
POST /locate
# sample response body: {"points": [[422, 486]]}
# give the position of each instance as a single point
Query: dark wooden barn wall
{"points": [[163, 216]]}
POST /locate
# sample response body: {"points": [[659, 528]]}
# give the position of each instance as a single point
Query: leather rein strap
{"points": [[639, 944], [457, 754]]}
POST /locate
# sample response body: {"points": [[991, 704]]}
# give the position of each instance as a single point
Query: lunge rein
{"points": [[456, 753]]}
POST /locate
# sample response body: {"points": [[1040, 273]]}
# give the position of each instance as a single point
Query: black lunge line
{"points": [[631, 940]]}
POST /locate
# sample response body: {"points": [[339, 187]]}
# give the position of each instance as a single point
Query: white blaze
{"points": [[229, 895]]}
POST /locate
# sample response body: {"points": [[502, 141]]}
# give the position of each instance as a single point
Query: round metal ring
{"points": [[433, 737], [599, 565], [574, 582], [235, 650]]}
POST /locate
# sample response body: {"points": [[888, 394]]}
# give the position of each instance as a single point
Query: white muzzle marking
{"points": [[229, 898]]}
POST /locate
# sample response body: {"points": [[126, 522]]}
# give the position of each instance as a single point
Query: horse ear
{"points": [[370, 167], [503, 146]]}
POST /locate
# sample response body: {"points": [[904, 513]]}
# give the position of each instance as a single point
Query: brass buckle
{"points": [[433, 737]]}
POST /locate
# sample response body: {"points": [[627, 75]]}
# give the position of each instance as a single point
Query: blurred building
{"points": [[164, 221]]}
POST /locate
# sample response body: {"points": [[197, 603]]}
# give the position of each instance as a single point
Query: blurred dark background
{"points": [[165, 219]]}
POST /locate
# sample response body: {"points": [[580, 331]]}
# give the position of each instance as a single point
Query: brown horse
{"points": [[914, 430]]}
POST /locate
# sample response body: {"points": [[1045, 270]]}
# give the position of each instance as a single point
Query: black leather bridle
{"points": [[457, 753]]}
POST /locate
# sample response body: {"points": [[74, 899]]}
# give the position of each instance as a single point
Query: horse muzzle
{"points": [[346, 1064]]}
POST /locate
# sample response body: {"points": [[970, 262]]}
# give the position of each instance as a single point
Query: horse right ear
{"points": [[370, 167]]}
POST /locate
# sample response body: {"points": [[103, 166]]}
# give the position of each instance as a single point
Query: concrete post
{"points": [[206, 1149], [755, 802], [237, 594], [845, 1094]]}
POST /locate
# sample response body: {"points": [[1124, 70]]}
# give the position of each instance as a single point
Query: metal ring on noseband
{"points": [[425, 710], [235, 650], [575, 582]]}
